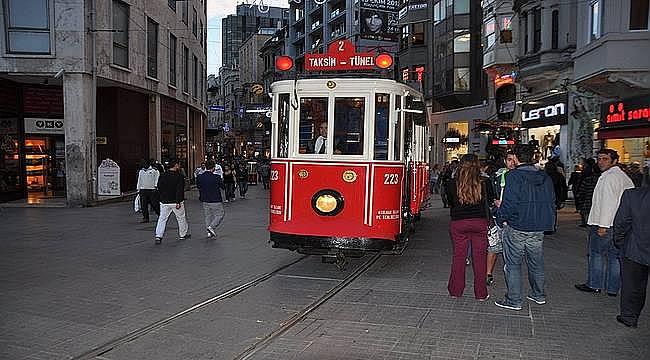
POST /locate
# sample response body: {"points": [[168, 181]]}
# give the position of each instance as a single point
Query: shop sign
{"points": [[451, 140], [44, 126], [628, 112], [551, 110], [341, 55]]}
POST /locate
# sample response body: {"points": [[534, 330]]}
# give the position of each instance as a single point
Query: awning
{"points": [[624, 133]]}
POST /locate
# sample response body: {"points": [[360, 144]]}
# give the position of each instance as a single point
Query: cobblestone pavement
{"points": [[71, 279], [400, 309]]}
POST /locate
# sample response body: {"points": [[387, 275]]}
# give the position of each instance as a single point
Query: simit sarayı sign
{"points": [[341, 55], [624, 113], [551, 110]]}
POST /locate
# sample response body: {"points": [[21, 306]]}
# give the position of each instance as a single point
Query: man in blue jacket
{"points": [[526, 210], [210, 186], [632, 235]]}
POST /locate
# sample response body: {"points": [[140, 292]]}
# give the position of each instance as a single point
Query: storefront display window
{"points": [[632, 150], [455, 140], [544, 139], [10, 183]]}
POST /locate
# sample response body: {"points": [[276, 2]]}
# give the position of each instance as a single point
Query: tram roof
{"points": [[344, 83]]}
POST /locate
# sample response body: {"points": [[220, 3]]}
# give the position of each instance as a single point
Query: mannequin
{"points": [[547, 144]]}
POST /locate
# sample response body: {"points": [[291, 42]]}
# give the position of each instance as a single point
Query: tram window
{"points": [[382, 109], [283, 126], [348, 126], [398, 128], [312, 129]]}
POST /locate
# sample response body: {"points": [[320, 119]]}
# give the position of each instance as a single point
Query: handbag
{"points": [[493, 230], [136, 204]]}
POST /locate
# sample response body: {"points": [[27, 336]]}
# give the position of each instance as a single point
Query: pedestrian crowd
{"points": [[508, 209], [162, 188]]}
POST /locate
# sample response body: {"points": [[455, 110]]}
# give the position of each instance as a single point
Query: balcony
{"points": [[615, 65], [337, 13], [316, 26]]}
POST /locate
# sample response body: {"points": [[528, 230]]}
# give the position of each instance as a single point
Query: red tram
{"points": [[349, 169]]}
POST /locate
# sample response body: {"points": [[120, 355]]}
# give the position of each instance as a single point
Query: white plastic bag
{"points": [[136, 204]]}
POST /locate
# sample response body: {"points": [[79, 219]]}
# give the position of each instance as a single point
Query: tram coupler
{"points": [[338, 259]]}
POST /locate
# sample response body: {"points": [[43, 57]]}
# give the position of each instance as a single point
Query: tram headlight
{"points": [[327, 202]]}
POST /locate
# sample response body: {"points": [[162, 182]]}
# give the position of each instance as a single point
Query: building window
{"points": [[418, 34], [439, 12], [184, 11], [195, 72], [489, 32], [121, 34], [555, 24], [461, 41], [201, 32], [28, 27], [461, 6], [172, 59], [461, 79], [172, 4], [152, 48], [186, 69], [639, 14], [202, 85], [194, 24], [594, 20], [404, 38], [524, 28], [537, 29]]}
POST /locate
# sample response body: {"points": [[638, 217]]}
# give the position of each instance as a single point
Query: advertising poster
{"points": [[379, 25]]}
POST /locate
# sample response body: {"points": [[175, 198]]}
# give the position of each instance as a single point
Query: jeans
{"points": [[147, 198], [165, 211], [516, 245], [464, 232], [598, 247], [243, 187], [230, 191], [213, 214]]}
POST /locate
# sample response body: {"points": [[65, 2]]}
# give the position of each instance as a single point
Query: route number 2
{"points": [[391, 179], [275, 175]]}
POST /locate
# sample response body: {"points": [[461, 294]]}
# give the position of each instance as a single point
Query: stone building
{"points": [[86, 80]]}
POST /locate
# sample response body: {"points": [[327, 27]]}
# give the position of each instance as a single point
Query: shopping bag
{"points": [[136, 204]]}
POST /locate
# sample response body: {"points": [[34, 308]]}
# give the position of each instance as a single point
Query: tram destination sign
{"points": [[341, 55]]}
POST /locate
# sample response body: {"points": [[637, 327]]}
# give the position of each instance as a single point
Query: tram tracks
{"points": [[258, 345]]}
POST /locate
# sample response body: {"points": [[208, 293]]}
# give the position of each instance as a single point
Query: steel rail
{"points": [[112, 344], [261, 344]]}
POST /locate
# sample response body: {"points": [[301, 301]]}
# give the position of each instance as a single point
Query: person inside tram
{"points": [[320, 144]]}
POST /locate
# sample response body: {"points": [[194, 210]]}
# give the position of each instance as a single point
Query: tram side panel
{"points": [[386, 207]]}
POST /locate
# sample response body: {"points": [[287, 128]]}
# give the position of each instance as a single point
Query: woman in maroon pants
{"points": [[469, 197]]}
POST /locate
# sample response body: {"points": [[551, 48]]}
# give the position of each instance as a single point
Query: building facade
{"points": [[459, 84], [83, 80], [612, 66]]}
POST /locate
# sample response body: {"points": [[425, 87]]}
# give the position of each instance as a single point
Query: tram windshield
{"points": [[349, 114], [312, 129]]}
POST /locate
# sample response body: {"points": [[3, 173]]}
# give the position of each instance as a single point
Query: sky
{"points": [[218, 9]]}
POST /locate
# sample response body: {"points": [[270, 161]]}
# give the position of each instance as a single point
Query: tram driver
{"points": [[321, 141]]}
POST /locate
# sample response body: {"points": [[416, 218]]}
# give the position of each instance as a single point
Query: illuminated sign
{"points": [[451, 140], [341, 55], [551, 110], [505, 79], [502, 142], [629, 112], [419, 70]]}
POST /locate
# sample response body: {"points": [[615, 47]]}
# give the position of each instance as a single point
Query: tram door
{"points": [[45, 166]]}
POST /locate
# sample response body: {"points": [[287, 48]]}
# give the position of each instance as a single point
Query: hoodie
{"points": [[528, 202]]}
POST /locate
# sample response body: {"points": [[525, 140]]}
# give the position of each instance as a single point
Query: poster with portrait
{"points": [[379, 25]]}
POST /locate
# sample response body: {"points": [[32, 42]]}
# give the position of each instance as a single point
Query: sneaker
{"points": [[211, 232], [484, 299], [158, 240], [468, 261], [536, 301], [506, 305], [187, 236], [225, 201], [622, 321], [490, 280], [585, 288]]}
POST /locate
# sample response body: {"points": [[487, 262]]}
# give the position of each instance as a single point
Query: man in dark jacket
{"points": [[171, 186], [526, 211], [210, 185], [632, 235]]}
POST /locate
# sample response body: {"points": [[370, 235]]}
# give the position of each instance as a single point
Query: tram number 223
{"points": [[391, 179], [275, 175]]}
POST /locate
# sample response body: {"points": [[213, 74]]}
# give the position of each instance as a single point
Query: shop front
{"points": [[544, 125], [44, 158], [625, 127]]}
